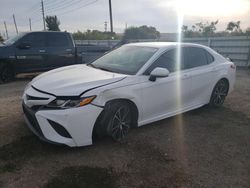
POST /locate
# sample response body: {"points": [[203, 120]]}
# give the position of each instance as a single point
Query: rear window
{"points": [[210, 58], [57, 40], [195, 57]]}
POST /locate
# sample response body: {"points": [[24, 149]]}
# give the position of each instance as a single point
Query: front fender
{"points": [[130, 93]]}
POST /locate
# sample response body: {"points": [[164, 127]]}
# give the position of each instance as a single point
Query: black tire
{"points": [[108, 124], [119, 122], [219, 93], [6, 74]]}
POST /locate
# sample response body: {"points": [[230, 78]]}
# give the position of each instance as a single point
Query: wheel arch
{"points": [[132, 106], [102, 116]]}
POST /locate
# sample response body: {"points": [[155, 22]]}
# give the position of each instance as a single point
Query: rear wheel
{"points": [[6, 74], [219, 93]]}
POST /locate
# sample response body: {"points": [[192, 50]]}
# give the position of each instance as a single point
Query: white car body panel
{"points": [[167, 96], [74, 121], [71, 80]]}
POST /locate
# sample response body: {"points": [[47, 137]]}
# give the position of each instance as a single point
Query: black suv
{"points": [[34, 52]]}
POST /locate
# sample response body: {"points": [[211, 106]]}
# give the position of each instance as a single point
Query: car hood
{"points": [[74, 80]]}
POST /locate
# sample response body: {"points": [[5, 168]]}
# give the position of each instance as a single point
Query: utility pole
{"points": [[111, 18], [15, 24], [43, 16], [30, 24], [6, 30], [105, 26]]}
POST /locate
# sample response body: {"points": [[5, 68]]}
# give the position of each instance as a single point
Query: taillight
{"points": [[233, 66]]}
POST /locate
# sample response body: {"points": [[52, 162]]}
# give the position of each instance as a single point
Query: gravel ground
{"points": [[202, 148]]}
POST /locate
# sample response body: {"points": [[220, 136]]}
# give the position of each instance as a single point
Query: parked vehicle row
{"points": [[36, 51], [131, 86]]}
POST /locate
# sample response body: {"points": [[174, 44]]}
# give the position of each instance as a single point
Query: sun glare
{"points": [[209, 8]]}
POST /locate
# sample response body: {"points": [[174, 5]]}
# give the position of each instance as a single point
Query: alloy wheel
{"points": [[120, 123], [220, 93]]}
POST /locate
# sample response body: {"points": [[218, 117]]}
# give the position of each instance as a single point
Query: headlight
{"points": [[71, 103]]}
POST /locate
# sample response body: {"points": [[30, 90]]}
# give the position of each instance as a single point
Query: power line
{"points": [[58, 4], [63, 6], [37, 4], [79, 7], [35, 16], [54, 3]]}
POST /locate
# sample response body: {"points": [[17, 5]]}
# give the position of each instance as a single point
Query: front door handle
{"points": [[68, 50], [184, 76], [215, 69], [41, 51]]}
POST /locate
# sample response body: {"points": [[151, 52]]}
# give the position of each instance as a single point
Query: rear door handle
{"points": [[41, 51], [68, 50]]}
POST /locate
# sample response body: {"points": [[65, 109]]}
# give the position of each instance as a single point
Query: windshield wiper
{"points": [[91, 65], [105, 69], [101, 68]]}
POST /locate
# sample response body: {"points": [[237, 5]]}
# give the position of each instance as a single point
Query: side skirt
{"points": [[164, 116]]}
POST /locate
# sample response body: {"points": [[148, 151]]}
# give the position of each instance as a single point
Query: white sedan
{"points": [[131, 86]]}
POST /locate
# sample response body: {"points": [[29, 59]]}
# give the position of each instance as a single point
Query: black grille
{"points": [[30, 114], [35, 98], [59, 129]]}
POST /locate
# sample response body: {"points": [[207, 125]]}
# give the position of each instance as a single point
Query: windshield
{"points": [[125, 60], [12, 40]]}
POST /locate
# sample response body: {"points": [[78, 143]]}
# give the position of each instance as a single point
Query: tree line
{"points": [[207, 29], [201, 29]]}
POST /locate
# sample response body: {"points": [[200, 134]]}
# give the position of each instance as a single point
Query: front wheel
{"points": [[219, 93], [120, 120]]}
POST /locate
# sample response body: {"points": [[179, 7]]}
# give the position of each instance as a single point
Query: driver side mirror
{"points": [[24, 46], [158, 72]]}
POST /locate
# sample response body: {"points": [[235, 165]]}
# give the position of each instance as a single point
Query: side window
{"points": [[194, 57], [167, 60], [34, 39], [57, 40], [210, 58]]}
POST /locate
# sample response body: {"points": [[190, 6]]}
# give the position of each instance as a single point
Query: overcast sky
{"points": [[91, 14]]}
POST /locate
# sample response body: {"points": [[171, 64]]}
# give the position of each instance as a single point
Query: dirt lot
{"points": [[202, 148]]}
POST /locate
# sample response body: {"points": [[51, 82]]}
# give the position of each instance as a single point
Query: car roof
{"points": [[164, 44], [44, 32]]}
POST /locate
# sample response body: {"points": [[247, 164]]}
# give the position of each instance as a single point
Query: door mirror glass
{"points": [[24, 46], [158, 72]]}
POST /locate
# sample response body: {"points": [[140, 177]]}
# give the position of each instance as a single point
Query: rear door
{"points": [[60, 49], [198, 63], [31, 52]]}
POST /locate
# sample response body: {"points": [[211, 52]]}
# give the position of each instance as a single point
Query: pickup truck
{"points": [[36, 52]]}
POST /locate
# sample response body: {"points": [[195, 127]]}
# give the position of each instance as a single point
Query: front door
{"points": [[31, 52], [166, 96]]}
